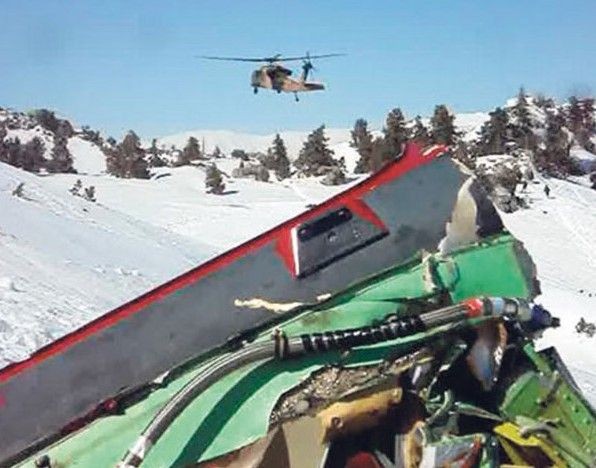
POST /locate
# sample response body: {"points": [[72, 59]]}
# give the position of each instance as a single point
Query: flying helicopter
{"points": [[273, 75]]}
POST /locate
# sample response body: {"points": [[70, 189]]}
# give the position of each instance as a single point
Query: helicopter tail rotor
{"points": [[307, 67]]}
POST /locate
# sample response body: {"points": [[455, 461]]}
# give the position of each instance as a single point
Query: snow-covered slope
{"points": [[64, 261], [87, 157], [559, 233], [469, 124]]}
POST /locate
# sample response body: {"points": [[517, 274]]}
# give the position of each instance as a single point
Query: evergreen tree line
{"points": [[30, 156], [129, 159], [505, 131], [516, 129], [376, 151]]}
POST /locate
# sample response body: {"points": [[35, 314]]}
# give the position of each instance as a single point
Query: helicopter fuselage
{"points": [[278, 78]]}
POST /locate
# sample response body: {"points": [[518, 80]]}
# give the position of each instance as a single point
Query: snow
{"points": [[87, 157], [65, 261], [469, 124], [559, 233], [229, 140], [586, 160], [575, 349]]}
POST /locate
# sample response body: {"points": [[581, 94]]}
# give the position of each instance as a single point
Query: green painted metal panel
{"points": [[496, 271], [543, 398]]}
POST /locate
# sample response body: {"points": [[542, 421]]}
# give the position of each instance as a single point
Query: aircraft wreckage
{"points": [[391, 326]]}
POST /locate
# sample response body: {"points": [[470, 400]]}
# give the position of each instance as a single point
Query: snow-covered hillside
{"points": [[339, 138], [64, 261], [559, 233]]}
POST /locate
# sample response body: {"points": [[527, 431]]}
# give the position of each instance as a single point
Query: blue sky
{"points": [[117, 65]]}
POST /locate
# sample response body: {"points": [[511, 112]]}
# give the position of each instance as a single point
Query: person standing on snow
{"points": [[546, 190]]}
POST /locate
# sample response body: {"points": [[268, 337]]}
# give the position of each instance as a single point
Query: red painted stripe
{"points": [[362, 210], [283, 247], [410, 160]]}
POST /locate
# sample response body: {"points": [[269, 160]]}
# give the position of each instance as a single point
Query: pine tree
{"points": [[135, 156], [395, 132], [155, 159], [217, 153], [545, 103], [46, 118], [239, 154], [30, 156], [128, 158], [11, 150], [3, 148], [277, 158], [494, 133], [114, 159], [91, 135], [574, 115], [64, 129], [554, 158], [419, 134], [90, 194], [362, 141], [522, 123], [18, 190], [76, 188], [191, 152], [589, 123], [61, 161], [214, 180], [315, 154], [442, 126], [580, 120], [262, 174], [379, 155]]}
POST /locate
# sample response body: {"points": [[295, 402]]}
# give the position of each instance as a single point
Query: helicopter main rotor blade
{"points": [[308, 57], [235, 59], [275, 58]]}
